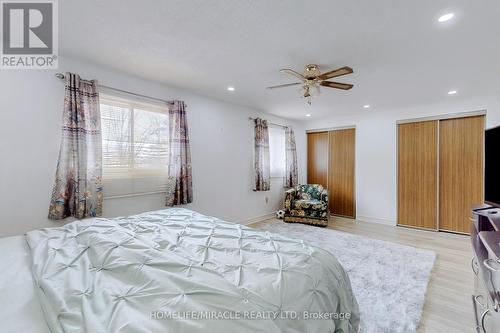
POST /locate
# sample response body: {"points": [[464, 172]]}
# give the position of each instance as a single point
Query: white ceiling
{"points": [[401, 55]]}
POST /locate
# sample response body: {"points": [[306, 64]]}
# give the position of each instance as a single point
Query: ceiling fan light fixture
{"points": [[366, 106], [452, 92], [307, 92], [230, 88], [311, 71], [308, 115]]}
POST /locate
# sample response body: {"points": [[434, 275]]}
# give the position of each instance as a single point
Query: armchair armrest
{"points": [[324, 196], [289, 196]]}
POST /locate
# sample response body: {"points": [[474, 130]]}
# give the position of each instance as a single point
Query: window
{"points": [[134, 146], [277, 151]]}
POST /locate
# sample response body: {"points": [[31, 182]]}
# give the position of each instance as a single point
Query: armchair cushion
{"points": [[308, 204], [309, 192]]}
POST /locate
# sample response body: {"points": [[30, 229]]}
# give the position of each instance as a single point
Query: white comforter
{"points": [[175, 270]]}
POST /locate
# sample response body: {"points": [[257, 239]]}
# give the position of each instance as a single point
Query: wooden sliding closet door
{"points": [[341, 173], [461, 145], [417, 174], [317, 158]]}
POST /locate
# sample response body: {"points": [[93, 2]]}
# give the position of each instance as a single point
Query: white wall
{"points": [[221, 147], [376, 150]]}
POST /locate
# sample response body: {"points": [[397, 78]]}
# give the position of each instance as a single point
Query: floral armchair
{"points": [[307, 204]]}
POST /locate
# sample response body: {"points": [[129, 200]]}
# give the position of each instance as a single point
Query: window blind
{"points": [[134, 146], [277, 151]]}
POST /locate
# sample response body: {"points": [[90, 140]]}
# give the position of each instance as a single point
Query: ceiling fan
{"points": [[312, 79]]}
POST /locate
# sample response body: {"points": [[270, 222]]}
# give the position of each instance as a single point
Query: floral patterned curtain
{"points": [[291, 170], [180, 189], [261, 162], [77, 189]]}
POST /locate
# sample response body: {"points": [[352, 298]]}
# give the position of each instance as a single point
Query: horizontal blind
{"points": [[134, 145], [277, 157]]}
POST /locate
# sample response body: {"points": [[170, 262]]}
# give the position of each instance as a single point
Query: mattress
{"points": [[20, 310], [174, 270]]}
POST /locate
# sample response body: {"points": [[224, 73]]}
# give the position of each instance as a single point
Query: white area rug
{"points": [[389, 280]]}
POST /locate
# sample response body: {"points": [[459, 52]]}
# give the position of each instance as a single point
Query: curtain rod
{"points": [[270, 123], [61, 76]]}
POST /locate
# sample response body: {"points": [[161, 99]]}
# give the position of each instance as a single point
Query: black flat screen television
{"points": [[492, 166]]}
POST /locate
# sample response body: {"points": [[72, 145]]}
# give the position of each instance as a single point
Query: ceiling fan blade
{"points": [[337, 85], [284, 85], [294, 73], [336, 72]]}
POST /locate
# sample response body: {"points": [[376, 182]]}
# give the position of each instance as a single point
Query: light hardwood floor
{"points": [[448, 306]]}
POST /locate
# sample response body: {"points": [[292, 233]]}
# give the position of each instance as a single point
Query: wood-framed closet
{"points": [[440, 171], [331, 163]]}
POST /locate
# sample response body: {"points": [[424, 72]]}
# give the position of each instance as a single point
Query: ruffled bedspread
{"points": [[176, 270]]}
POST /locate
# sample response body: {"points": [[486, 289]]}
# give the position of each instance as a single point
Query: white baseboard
{"points": [[376, 220], [258, 218]]}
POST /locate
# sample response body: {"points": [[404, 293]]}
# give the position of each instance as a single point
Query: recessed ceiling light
{"points": [[446, 17], [366, 106], [230, 88], [452, 92], [308, 115]]}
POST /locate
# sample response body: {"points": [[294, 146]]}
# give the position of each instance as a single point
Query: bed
{"points": [[172, 270], [20, 310]]}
